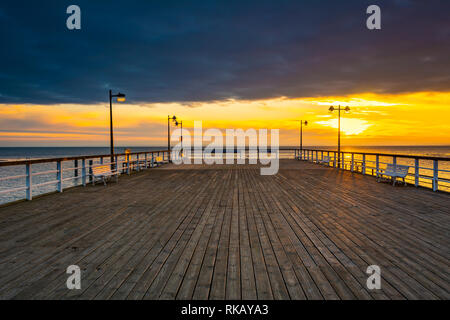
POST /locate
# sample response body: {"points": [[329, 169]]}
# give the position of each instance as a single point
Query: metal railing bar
{"points": [[43, 172], [45, 183], [13, 177], [13, 190]]}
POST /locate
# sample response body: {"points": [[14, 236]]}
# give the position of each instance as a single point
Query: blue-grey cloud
{"points": [[160, 51]]}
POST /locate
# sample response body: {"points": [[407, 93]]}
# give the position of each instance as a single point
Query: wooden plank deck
{"points": [[226, 232]]}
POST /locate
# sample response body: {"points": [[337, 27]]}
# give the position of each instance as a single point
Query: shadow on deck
{"points": [[225, 232]]}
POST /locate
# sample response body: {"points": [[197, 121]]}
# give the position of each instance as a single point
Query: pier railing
{"points": [[424, 171], [21, 179]]}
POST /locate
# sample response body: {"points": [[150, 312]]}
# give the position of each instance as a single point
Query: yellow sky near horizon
{"points": [[420, 118]]}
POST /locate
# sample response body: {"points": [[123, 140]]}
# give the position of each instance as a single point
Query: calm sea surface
{"points": [[8, 154]]}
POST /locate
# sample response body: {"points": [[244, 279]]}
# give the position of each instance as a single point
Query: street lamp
{"points": [[181, 124], [302, 122], [176, 125], [174, 119], [120, 98], [346, 109]]}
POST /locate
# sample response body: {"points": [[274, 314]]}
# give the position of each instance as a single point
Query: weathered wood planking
{"points": [[226, 232]]}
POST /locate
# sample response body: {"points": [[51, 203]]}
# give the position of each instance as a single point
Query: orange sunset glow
{"points": [[404, 119]]}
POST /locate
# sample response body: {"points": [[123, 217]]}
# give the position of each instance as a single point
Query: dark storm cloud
{"points": [[158, 51]]}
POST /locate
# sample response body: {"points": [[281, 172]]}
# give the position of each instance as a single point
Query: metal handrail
{"points": [[46, 160], [379, 154]]}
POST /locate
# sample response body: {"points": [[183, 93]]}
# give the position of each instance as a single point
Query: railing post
{"points": [[416, 172], [343, 160], [435, 175], [91, 163], [83, 172], [334, 159], [153, 160], [394, 162], [138, 163], [75, 173], [101, 160], [353, 162], [364, 164], [29, 181], [145, 161], [128, 164], [60, 176], [377, 160], [116, 164]]}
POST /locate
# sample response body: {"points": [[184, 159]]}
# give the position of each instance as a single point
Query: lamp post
{"points": [[346, 109], [174, 119], [302, 122], [176, 125], [120, 98], [181, 124]]}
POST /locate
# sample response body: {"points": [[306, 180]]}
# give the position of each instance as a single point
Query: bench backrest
{"points": [[398, 170], [101, 170]]}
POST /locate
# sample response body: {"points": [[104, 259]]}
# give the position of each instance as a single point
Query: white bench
{"points": [[393, 172], [325, 160], [103, 173]]}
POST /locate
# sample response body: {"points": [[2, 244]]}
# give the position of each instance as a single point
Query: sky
{"points": [[231, 64]]}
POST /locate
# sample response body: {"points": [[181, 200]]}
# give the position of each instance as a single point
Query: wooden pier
{"points": [[226, 232]]}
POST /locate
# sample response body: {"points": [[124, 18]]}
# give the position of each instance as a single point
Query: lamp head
{"points": [[120, 97], [306, 122], [347, 109], [331, 109]]}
